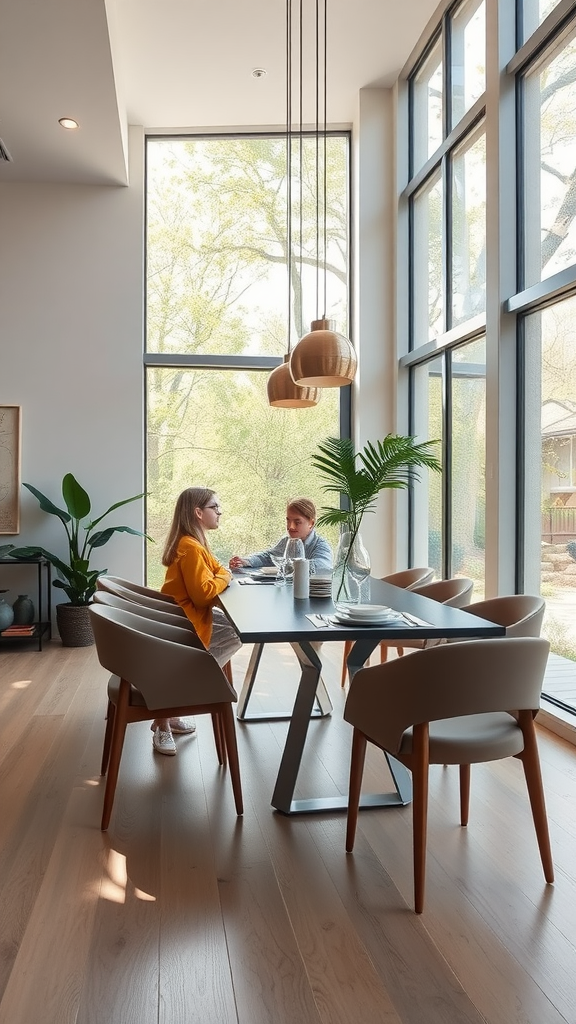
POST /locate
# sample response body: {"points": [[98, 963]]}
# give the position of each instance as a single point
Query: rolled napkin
{"points": [[301, 578]]}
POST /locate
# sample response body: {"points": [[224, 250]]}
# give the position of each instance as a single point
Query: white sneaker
{"points": [[182, 726], [163, 742]]}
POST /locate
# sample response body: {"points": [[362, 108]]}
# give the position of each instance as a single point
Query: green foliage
{"points": [[390, 463], [571, 549], [560, 639], [76, 578]]}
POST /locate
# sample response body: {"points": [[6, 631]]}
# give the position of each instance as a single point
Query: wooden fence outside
{"points": [[558, 525]]}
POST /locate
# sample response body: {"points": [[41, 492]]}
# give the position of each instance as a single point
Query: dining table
{"points": [[264, 613]]}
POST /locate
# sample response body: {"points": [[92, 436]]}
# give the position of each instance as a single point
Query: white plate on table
{"points": [[387, 620], [364, 611], [387, 616], [266, 570]]}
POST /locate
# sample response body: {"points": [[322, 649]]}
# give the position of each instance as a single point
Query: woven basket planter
{"points": [[74, 625]]}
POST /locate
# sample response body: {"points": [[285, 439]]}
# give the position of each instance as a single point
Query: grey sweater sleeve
{"points": [[264, 557]]}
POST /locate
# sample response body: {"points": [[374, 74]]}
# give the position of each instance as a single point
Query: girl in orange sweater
{"points": [[194, 578]]}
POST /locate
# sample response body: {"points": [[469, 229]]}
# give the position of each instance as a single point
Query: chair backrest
{"points": [[522, 614], [409, 578], [499, 675], [167, 672], [455, 592], [138, 588], [145, 611], [109, 584]]}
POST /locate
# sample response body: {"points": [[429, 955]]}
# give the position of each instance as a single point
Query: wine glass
{"points": [[280, 563], [294, 549]]}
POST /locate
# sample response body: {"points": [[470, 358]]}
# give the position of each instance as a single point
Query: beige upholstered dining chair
{"points": [[142, 595], [138, 588], [182, 622], [455, 592], [407, 579], [521, 614], [157, 672], [151, 599], [173, 616], [419, 710]]}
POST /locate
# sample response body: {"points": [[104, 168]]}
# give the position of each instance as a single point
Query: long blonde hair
{"points": [[184, 521]]}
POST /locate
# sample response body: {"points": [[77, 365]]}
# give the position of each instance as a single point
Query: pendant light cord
{"points": [[317, 159], [289, 160], [325, 149], [301, 173]]}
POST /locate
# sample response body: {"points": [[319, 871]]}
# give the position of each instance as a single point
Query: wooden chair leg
{"points": [[420, 766], [107, 738], [531, 763], [227, 722], [464, 793], [383, 653], [347, 649], [399, 651], [218, 738], [120, 722], [356, 772]]}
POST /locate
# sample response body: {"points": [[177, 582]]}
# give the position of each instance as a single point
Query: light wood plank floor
{"points": [[183, 913]]}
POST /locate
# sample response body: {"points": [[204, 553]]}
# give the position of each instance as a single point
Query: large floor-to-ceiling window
{"points": [[488, 209], [217, 323], [545, 70], [445, 200]]}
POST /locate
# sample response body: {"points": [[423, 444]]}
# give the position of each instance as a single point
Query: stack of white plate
{"points": [[320, 586], [366, 614]]}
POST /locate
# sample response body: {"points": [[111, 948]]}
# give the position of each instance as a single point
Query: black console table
{"points": [[43, 604]]}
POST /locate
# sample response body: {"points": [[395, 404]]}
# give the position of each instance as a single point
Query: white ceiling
{"points": [[180, 64]]}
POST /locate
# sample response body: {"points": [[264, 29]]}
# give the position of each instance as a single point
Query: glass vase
{"points": [[351, 568]]}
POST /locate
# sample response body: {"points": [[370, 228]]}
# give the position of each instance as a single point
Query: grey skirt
{"points": [[224, 641]]}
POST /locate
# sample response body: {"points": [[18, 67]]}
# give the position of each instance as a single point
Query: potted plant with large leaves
{"points": [[75, 577], [360, 476]]}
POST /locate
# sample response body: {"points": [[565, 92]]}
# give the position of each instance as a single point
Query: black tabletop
{"points": [[264, 613]]}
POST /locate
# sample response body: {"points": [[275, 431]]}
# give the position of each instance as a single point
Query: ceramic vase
{"points": [[23, 609], [351, 568], [6, 615]]}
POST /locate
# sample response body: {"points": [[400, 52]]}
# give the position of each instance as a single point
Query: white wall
{"points": [[374, 279], [71, 329]]}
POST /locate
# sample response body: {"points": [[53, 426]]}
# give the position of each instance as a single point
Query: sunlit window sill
{"points": [[560, 722]]}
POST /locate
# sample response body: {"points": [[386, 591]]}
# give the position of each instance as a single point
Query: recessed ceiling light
{"points": [[68, 122], [259, 72]]}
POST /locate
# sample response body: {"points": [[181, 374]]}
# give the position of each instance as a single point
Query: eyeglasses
{"points": [[216, 508]]}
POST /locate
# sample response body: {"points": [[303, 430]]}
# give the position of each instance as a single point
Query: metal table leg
{"points": [[322, 698], [296, 738]]}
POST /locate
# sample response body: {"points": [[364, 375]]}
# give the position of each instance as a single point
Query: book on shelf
{"points": [[19, 631]]}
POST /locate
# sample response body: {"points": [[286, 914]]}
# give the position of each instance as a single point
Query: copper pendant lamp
{"points": [[323, 357], [283, 393]]}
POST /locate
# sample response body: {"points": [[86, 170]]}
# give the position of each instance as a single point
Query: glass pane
{"points": [[550, 556], [469, 231], [549, 166], [426, 262], [468, 502], [468, 57], [427, 524], [533, 14], [214, 428], [216, 243], [427, 88]]}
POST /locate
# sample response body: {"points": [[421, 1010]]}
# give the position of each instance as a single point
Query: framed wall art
{"points": [[10, 433]]}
